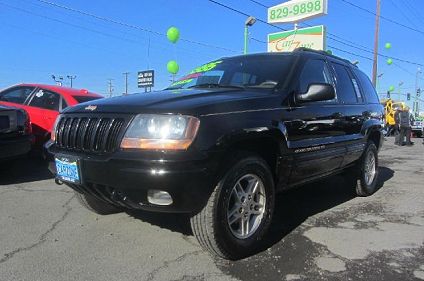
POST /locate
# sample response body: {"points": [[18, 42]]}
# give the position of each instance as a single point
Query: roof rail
{"points": [[303, 49]]}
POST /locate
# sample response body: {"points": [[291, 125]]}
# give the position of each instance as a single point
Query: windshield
{"points": [[249, 71]]}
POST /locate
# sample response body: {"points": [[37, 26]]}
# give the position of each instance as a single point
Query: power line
{"points": [[133, 26], [349, 43], [401, 11], [280, 28], [383, 17], [329, 34]]}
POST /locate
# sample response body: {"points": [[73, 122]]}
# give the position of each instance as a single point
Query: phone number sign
{"points": [[297, 10]]}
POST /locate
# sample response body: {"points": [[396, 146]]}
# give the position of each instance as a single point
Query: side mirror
{"points": [[317, 92]]}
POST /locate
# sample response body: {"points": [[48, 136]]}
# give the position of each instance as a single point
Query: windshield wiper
{"points": [[214, 85]]}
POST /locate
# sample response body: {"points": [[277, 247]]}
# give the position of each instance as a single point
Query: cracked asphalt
{"points": [[320, 232]]}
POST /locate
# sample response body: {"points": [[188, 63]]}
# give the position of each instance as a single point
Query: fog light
{"points": [[159, 197]]}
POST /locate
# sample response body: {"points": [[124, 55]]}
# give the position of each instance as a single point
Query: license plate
{"points": [[67, 169]]}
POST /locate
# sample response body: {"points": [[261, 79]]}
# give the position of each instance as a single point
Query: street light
{"points": [[249, 22], [378, 81], [400, 90], [415, 107]]}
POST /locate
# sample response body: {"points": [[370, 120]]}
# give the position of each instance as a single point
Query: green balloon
{"points": [[388, 45], [172, 67], [391, 88], [173, 34], [389, 61]]}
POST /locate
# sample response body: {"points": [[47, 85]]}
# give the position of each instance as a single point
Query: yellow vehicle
{"points": [[390, 108]]}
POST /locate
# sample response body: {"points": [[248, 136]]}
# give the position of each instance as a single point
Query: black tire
{"points": [[95, 205], [210, 225], [362, 187]]}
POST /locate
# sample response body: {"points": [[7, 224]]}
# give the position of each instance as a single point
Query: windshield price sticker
{"points": [[297, 10], [195, 73]]}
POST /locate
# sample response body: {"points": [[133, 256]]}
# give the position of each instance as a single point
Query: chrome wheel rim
{"points": [[246, 206], [370, 168]]}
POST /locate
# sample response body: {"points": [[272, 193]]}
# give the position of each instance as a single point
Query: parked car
{"points": [[15, 133], [220, 142], [43, 103], [417, 127]]}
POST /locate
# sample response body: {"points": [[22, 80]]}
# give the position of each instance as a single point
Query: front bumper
{"points": [[123, 178]]}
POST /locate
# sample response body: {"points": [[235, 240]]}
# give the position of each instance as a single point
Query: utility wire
{"points": [[128, 25], [383, 17], [280, 28], [403, 14]]}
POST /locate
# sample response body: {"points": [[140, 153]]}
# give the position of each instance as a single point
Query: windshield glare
{"points": [[250, 71]]}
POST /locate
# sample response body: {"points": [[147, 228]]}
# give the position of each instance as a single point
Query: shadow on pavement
{"points": [[293, 207], [27, 169]]}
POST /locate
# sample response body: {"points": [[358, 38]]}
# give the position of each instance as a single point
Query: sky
{"points": [[99, 40]]}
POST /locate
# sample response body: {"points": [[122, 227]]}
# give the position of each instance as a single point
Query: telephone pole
{"points": [[70, 77], [110, 87], [126, 82], [377, 28]]}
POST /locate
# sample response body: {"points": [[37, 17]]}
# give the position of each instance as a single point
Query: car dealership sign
{"points": [[287, 41], [146, 78], [297, 10]]}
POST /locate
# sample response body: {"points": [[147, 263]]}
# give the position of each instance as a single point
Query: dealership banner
{"points": [[286, 41]]}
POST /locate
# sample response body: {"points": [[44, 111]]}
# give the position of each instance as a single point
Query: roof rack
{"points": [[303, 49]]}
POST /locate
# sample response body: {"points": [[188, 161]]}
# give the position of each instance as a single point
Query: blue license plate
{"points": [[67, 169]]}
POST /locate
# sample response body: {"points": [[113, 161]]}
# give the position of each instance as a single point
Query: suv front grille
{"points": [[91, 134]]}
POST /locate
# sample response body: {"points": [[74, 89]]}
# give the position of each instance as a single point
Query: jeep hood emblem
{"points": [[91, 107]]}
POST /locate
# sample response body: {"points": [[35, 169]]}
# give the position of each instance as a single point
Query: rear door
{"points": [[43, 108], [312, 128], [354, 111]]}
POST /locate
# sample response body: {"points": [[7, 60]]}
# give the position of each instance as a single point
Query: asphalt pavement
{"points": [[320, 232]]}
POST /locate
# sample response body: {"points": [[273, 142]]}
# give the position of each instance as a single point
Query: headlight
{"points": [[161, 132], [53, 132]]}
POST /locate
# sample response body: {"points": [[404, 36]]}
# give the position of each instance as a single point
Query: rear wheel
{"points": [[95, 205], [238, 212], [366, 171]]}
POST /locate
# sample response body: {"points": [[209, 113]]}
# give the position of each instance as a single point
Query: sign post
{"points": [[146, 79]]}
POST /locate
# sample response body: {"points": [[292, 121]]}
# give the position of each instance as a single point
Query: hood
{"points": [[186, 101]]}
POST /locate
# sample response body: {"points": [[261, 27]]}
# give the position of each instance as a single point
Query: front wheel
{"points": [[238, 212]]}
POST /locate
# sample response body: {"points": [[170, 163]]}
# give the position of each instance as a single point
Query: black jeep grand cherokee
{"points": [[221, 141]]}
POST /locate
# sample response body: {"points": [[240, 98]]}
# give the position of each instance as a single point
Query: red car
{"points": [[43, 103]]}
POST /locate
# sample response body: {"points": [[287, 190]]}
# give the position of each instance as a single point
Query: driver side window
{"points": [[314, 71]]}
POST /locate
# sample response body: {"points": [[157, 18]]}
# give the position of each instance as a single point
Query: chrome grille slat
{"points": [[91, 134]]}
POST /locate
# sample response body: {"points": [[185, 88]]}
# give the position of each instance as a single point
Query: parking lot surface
{"points": [[320, 232]]}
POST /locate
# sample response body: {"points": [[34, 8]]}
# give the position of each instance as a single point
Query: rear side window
{"points": [[314, 71], [344, 85], [81, 99], [46, 100], [16, 95], [367, 87]]}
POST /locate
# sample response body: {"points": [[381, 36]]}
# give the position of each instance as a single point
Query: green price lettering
{"points": [[317, 5], [296, 10], [310, 6], [303, 8], [272, 15], [285, 12]]}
